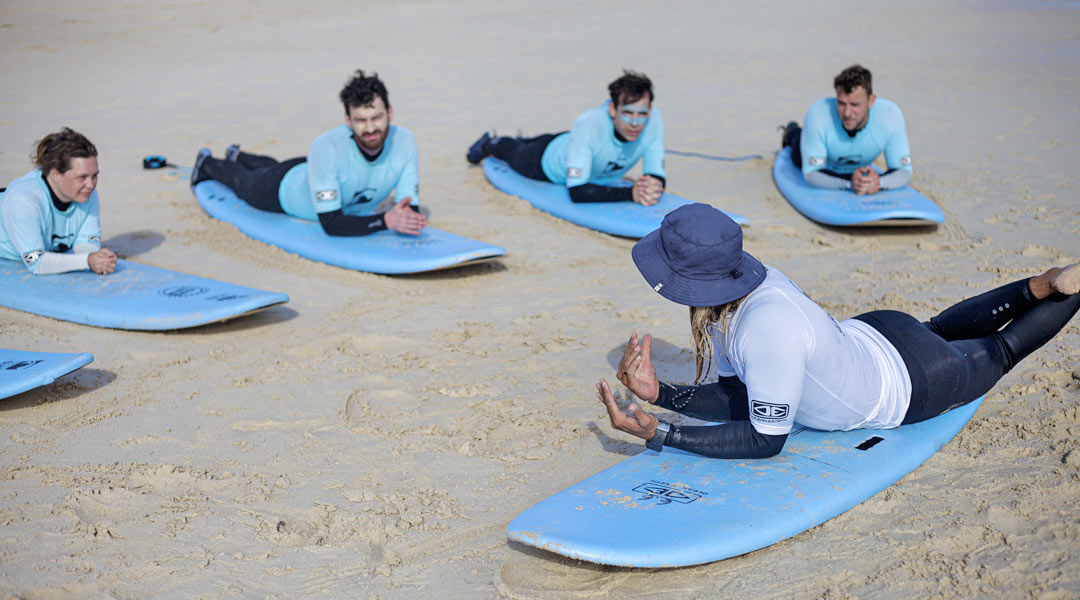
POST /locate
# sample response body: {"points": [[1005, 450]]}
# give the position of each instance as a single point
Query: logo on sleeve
{"points": [[94, 239], [816, 161], [573, 172], [905, 162], [324, 196], [767, 412], [32, 257]]}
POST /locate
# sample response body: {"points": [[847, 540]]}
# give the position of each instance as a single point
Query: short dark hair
{"points": [[631, 87], [361, 91], [56, 150], [853, 77]]}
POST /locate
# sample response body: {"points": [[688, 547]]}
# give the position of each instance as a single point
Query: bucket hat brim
{"points": [[652, 261]]}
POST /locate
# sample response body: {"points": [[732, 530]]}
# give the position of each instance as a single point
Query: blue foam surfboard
{"points": [[901, 207], [625, 219], [135, 296], [21, 370], [673, 508], [385, 252]]}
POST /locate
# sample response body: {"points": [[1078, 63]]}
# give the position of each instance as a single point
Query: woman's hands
{"points": [[636, 369], [635, 422]]}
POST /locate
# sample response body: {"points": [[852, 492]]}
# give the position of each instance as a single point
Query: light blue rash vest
{"points": [[590, 152], [30, 224], [336, 175], [825, 144]]}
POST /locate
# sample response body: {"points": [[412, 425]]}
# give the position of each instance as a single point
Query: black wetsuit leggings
{"points": [[960, 354], [254, 178], [524, 155], [953, 359]]}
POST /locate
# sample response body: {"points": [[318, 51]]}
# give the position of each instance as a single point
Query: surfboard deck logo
{"points": [[664, 493], [183, 291], [18, 365]]}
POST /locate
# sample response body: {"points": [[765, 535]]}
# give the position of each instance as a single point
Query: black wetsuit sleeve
{"points": [[724, 401], [338, 223], [737, 439], [721, 401], [590, 192]]}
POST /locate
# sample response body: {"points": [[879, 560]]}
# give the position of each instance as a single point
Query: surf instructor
{"points": [[784, 360], [843, 135], [49, 217], [601, 147], [348, 172]]}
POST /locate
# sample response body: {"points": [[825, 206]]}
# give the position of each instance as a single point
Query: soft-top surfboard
{"points": [[903, 207], [385, 252], [673, 508], [625, 219], [135, 296], [21, 370]]}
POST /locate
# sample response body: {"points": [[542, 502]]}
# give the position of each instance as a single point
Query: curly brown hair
{"points": [[56, 150], [630, 88], [853, 77], [362, 89]]}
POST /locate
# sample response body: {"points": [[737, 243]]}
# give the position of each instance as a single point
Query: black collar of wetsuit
{"points": [[617, 136], [368, 157], [852, 134], [60, 206]]}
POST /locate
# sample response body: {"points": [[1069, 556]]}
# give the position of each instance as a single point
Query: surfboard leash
{"points": [[711, 157]]}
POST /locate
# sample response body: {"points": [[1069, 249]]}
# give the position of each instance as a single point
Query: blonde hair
{"points": [[703, 320]]}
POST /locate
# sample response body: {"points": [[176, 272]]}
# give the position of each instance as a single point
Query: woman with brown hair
{"points": [[49, 217], [782, 359]]}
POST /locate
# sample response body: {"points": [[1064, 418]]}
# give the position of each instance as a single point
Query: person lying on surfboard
{"points": [[49, 217], [348, 172], [603, 145], [843, 135], [784, 360]]}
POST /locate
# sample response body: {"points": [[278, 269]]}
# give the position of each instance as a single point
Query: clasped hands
{"points": [[647, 190], [865, 181]]}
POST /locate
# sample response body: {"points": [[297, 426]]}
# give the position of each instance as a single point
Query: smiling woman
{"points": [[49, 216]]}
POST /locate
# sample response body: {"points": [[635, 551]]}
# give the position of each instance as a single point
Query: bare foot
{"points": [[1065, 280]]}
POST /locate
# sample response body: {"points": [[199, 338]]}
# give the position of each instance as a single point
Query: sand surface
{"points": [[373, 437]]}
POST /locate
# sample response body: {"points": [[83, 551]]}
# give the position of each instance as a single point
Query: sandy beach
{"points": [[373, 437]]}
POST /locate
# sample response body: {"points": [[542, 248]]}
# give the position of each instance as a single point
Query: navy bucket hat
{"points": [[696, 258]]}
